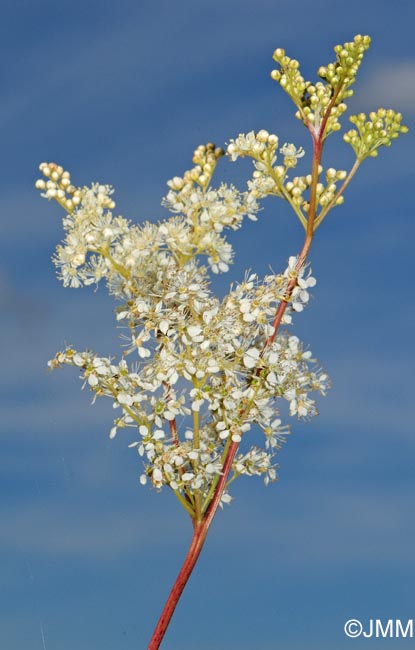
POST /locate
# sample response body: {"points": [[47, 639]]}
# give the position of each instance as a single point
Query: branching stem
{"points": [[200, 528], [338, 194]]}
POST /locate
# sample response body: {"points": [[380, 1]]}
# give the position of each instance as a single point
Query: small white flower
{"points": [[291, 154], [194, 330], [297, 306], [164, 326], [124, 398], [157, 477], [251, 357], [196, 404]]}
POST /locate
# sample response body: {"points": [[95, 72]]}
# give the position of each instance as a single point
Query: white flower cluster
{"points": [[255, 145], [272, 179], [262, 147], [216, 366], [207, 211]]}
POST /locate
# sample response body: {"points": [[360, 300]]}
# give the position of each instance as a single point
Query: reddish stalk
{"points": [[200, 528], [199, 535]]}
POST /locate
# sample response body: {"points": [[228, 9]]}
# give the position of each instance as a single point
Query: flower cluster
{"points": [[314, 99], [58, 186], [341, 74], [270, 178], [197, 358], [204, 371], [223, 402], [379, 130]]}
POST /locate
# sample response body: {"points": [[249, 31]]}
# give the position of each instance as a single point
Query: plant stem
{"points": [[200, 528], [332, 203], [199, 535]]}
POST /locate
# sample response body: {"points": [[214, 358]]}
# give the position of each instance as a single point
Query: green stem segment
{"points": [[339, 193], [201, 527]]}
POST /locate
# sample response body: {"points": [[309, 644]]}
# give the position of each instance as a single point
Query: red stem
{"points": [[201, 527], [198, 539], [199, 535]]}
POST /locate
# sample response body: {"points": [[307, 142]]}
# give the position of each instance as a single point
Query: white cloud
{"points": [[390, 85]]}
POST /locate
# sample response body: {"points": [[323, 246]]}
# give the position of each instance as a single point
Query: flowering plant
{"points": [[219, 366]]}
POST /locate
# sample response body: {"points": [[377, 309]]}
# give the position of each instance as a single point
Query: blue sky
{"points": [[123, 93]]}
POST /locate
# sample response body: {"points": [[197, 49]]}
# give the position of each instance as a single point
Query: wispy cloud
{"points": [[51, 530], [390, 85], [360, 526]]}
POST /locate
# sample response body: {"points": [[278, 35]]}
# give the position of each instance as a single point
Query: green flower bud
{"points": [[382, 127]]}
